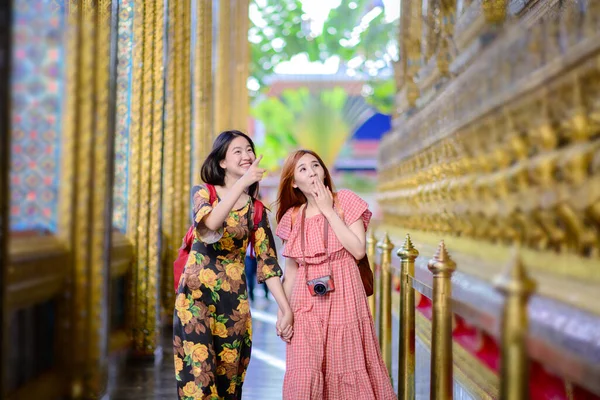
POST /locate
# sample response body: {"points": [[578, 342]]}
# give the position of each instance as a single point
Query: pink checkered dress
{"points": [[334, 354]]}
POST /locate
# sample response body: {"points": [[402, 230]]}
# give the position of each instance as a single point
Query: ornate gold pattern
{"points": [[507, 152], [133, 203], [371, 253], [154, 251], [203, 80], [222, 93]]}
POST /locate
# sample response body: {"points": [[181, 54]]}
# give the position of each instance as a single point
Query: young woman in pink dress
{"points": [[333, 353]]}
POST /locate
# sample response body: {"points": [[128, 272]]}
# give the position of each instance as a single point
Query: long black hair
{"points": [[212, 172]]}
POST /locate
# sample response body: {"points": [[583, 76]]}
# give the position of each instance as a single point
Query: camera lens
{"points": [[320, 289]]}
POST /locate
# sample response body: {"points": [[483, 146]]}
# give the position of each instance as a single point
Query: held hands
{"points": [[284, 326], [254, 173], [323, 196]]}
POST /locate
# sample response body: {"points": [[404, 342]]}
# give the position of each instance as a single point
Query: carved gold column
{"points": [[86, 213], [242, 65], [203, 80], [442, 267], [222, 92], [169, 238], [494, 10], [516, 285], [406, 356], [146, 178], [371, 253], [444, 40], [400, 65], [413, 13], [5, 89], [385, 317]]}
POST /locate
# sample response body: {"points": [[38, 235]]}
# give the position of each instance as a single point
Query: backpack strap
{"points": [[212, 193]]}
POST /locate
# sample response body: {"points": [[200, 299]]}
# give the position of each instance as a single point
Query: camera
{"points": [[320, 286]]}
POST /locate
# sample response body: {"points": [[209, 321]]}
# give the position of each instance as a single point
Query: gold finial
{"points": [[515, 280], [408, 250], [386, 243], [441, 261], [371, 237]]}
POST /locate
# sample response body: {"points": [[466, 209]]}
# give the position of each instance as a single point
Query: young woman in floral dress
{"points": [[333, 353], [212, 328]]}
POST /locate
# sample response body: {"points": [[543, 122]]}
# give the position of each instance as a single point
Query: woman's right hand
{"points": [[285, 322], [254, 173]]}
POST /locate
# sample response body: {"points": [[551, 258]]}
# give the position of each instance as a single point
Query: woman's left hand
{"points": [[323, 196]]}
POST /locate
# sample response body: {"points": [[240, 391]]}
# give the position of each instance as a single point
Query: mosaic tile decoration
{"points": [[37, 103], [124, 49]]}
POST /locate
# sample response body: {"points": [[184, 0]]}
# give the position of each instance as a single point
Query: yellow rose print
{"points": [[219, 330], [226, 286], [231, 388], [196, 371], [243, 376], [199, 353], [196, 294], [267, 270], [178, 364], [228, 355], [249, 327], [212, 309], [208, 278], [243, 307], [181, 302], [227, 243], [260, 236], [221, 370], [185, 316], [191, 390], [231, 221], [188, 347], [234, 271]]}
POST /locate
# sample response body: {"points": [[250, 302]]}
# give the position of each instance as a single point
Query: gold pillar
{"points": [[371, 249], [146, 177], [406, 356], [442, 267], [5, 90], [516, 285], [242, 63], [385, 317], [86, 198], [222, 74], [203, 81], [413, 12], [447, 9], [494, 10]]}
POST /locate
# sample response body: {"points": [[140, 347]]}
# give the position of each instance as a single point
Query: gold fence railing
{"points": [[515, 285]]}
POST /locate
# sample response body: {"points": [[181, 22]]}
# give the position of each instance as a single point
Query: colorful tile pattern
{"points": [[37, 97], [125, 47]]}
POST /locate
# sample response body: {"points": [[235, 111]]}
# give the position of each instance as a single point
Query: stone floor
{"points": [[156, 380], [264, 379]]}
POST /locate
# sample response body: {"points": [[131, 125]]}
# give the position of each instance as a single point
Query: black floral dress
{"points": [[212, 328]]}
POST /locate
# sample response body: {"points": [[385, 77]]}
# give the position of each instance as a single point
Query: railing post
{"points": [[516, 285], [406, 356], [442, 267], [385, 318], [371, 248]]}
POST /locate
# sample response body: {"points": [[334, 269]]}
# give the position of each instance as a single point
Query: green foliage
{"points": [[299, 118], [286, 33]]}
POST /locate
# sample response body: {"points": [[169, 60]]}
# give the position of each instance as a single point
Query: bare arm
{"points": [[289, 277], [352, 237]]}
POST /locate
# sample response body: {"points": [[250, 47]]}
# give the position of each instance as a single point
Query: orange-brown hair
{"points": [[289, 196]]}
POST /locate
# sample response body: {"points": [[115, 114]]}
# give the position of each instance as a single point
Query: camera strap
{"points": [[303, 242]]}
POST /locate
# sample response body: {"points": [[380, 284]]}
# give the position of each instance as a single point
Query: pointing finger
{"points": [[257, 161]]}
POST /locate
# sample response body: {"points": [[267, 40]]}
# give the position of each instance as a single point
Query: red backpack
{"points": [[186, 247]]}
